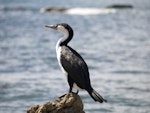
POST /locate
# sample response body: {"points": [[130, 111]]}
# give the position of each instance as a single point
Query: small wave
{"points": [[89, 11], [131, 72]]}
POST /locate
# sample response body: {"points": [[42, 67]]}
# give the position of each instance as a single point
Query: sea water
{"points": [[115, 43]]}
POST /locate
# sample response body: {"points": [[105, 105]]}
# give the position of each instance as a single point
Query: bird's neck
{"points": [[63, 41], [66, 38]]}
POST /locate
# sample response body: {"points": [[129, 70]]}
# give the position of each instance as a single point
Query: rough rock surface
{"points": [[68, 103]]}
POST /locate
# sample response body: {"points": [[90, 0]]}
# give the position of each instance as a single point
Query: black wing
{"points": [[75, 66]]}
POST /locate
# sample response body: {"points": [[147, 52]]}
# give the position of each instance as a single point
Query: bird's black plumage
{"points": [[72, 63], [75, 67]]}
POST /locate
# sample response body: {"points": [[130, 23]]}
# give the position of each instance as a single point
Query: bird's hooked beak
{"points": [[51, 26]]}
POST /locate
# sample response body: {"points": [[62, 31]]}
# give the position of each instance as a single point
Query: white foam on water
{"points": [[89, 11]]}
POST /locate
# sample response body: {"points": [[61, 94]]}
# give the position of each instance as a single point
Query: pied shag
{"points": [[72, 64]]}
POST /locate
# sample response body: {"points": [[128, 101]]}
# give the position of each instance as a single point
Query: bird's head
{"points": [[62, 28]]}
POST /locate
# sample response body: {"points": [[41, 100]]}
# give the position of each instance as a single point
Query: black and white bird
{"points": [[72, 64]]}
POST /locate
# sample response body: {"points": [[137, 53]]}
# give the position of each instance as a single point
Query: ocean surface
{"points": [[115, 43]]}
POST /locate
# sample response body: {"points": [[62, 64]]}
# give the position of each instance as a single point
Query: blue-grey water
{"points": [[115, 44]]}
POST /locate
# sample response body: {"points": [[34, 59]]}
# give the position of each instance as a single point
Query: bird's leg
{"points": [[70, 82], [77, 92], [70, 90]]}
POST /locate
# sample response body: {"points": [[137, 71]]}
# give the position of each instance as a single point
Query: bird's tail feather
{"points": [[97, 97]]}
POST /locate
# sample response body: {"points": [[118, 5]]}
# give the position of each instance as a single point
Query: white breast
{"points": [[58, 52]]}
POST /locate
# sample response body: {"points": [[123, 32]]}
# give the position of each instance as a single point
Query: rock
{"points": [[68, 103], [120, 6], [53, 9], [33, 109]]}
